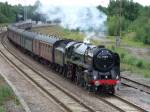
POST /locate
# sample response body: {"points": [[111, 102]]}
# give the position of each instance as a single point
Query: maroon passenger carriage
{"points": [[94, 67]]}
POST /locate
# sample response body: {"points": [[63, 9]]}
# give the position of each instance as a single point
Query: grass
{"points": [[128, 60], [134, 69], [6, 94], [3, 24], [2, 109], [60, 32], [73, 35], [128, 40]]}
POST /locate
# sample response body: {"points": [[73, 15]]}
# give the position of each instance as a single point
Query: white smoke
{"points": [[87, 19]]}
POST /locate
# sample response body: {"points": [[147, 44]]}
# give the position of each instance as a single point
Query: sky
{"points": [[70, 2]]}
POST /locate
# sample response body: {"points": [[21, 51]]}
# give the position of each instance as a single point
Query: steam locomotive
{"points": [[93, 67]]}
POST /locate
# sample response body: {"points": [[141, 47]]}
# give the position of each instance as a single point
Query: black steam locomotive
{"points": [[94, 67]]}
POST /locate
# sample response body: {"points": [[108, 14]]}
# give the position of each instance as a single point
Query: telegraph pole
{"points": [[120, 16], [118, 38]]}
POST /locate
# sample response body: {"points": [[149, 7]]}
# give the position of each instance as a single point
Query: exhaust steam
{"points": [[86, 19]]}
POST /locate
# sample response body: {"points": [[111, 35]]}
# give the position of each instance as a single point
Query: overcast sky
{"points": [[70, 2]]}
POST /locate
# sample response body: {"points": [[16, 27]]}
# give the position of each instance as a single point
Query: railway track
{"points": [[134, 84], [65, 99], [115, 101], [123, 105]]}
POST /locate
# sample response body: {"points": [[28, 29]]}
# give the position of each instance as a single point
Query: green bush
{"points": [[139, 63], [130, 60], [113, 47], [122, 55]]}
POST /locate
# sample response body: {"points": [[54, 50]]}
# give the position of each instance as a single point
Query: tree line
{"points": [[132, 18], [9, 13]]}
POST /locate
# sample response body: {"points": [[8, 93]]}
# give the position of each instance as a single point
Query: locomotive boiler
{"points": [[95, 68]]}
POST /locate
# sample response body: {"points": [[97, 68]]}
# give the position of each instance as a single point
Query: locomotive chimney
{"points": [[101, 46]]}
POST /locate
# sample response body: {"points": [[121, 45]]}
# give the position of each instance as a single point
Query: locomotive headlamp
{"points": [[97, 83]]}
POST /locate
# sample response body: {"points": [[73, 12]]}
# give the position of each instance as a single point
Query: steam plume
{"points": [[82, 18]]}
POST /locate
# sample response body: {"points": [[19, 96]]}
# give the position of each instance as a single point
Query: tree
{"points": [[3, 18], [103, 9]]}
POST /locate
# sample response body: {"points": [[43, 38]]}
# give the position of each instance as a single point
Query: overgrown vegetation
{"points": [[6, 94], [2, 109]]}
